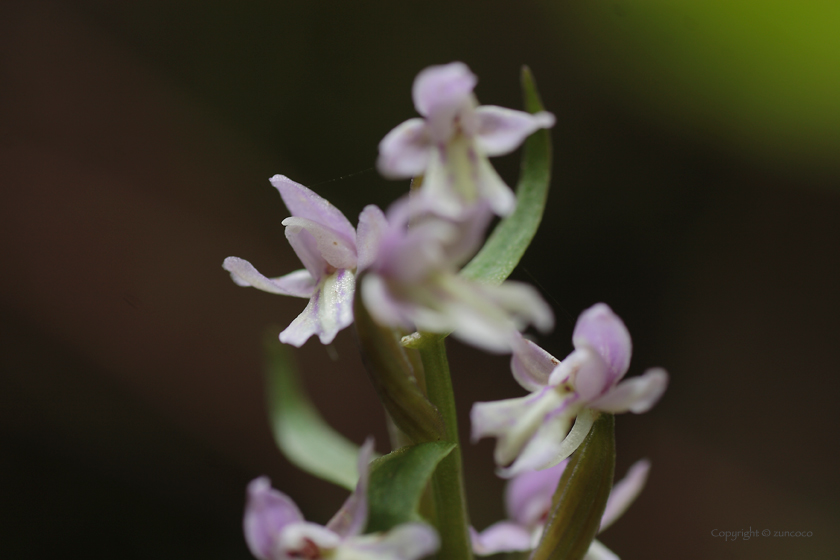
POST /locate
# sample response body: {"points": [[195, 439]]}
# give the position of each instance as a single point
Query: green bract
{"points": [[581, 496], [397, 483], [302, 435]]}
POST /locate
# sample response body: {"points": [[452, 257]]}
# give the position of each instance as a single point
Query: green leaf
{"points": [[509, 240], [397, 483], [581, 496], [301, 434]]}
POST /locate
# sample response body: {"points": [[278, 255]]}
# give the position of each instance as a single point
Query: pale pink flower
{"points": [[535, 431], [451, 144]]}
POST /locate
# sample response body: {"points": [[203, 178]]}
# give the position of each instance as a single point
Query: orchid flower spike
{"points": [[325, 242], [450, 145], [528, 502], [411, 279], [276, 530], [533, 432]]}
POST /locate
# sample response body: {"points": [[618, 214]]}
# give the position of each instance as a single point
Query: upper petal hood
{"points": [[304, 203], [442, 88], [331, 247], [603, 331], [267, 512]]}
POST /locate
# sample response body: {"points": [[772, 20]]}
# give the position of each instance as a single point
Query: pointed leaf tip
{"points": [[509, 240], [302, 435]]}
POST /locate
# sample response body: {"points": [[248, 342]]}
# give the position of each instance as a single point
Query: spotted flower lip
{"points": [[528, 501], [451, 144], [537, 431], [325, 242], [276, 530], [411, 279]]}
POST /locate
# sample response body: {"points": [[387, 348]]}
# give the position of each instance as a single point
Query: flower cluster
{"points": [[413, 281], [405, 263]]}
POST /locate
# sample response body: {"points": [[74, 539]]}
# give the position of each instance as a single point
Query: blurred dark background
{"points": [[696, 190]]}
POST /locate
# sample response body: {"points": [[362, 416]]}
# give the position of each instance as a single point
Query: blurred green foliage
{"points": [[757, 76]]}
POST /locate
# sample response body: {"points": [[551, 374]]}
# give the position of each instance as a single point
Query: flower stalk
{"points": [[452, 519]]}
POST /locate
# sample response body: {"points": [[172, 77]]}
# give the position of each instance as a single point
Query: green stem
{"points": [[448, 480]]}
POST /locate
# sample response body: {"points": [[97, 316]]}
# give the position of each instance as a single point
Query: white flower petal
{"points": [[547, 447], [329, 310], [470, 236], [488, 316], [373, 226], [404, 152], [583, 423], [332, 247], [381, 305], [304, 203], [450, 183], [637, 394], [492, 188], [504, 536], [421, 251], [296, 540], [305, 247], [409, 541], [597, 551], [624, 492], [500, 130], [514, 422], [298, 283]]}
